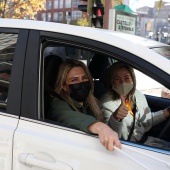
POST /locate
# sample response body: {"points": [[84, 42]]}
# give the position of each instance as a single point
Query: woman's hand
{"points": [[107, 136], [121, 111], [166, 112]]}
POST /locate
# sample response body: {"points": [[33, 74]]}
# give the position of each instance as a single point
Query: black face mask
{"points": [[80, 91]]}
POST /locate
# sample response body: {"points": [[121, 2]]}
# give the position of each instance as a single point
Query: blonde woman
{"points": [[78, 107], [126, 110]]}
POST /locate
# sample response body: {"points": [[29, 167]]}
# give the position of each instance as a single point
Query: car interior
{"points": [[97, 64], [51, 66]]}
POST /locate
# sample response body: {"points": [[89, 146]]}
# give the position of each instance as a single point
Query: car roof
{"points": [[134, 44]]}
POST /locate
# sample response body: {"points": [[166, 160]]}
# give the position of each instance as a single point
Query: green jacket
{"points": [[61, 112]]}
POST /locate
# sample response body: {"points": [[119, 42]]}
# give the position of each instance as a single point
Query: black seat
{"points": [[97, 68], [51, 67]]}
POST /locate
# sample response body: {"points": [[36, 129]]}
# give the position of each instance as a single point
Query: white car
{"points": [[28, 139]]}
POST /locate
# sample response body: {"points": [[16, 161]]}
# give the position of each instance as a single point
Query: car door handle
{"points": [[30, 160]]}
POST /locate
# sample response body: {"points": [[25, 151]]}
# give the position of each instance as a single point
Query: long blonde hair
{"points": [[91, 101], [109, 80]]}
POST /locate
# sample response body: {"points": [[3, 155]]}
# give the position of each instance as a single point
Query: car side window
{"points": [[7, 49], [148, 86], [54, 54]]}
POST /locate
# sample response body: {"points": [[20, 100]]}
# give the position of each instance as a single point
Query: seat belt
{"points": [[133, 125]]}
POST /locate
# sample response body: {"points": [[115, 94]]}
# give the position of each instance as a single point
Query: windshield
{"points": [[164, 51]]}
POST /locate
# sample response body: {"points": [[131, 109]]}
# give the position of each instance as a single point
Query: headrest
{"points": [[51, 67], [57, 51], [98, 66]]}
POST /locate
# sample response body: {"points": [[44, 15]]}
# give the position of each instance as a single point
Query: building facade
{"points": [[66, 11], [61, 11], [154, 23], [144, 19]]}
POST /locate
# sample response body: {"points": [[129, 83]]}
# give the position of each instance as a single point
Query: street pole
{"points": [[90, 18], [90, 11], [160, 35]]}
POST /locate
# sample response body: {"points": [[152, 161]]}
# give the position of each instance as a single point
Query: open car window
{"points": [[98, 64]]}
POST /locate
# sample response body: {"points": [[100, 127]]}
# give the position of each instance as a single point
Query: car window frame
{"points": [[29, 107], [33, 59], [31, 110]]}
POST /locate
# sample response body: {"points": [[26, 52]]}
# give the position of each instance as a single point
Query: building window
{"points": [[61, 4], [49, 17], [60, 16], [49, 5], [67, 3], [76, 15], [43, 16], [75, 3], [55, 4], [55, 16]]}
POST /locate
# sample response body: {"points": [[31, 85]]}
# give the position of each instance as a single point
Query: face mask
{"points": [[80, 91], [123, 89]]}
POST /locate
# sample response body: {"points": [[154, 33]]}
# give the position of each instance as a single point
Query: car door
{"points": [[12, 53], [40, 143]]}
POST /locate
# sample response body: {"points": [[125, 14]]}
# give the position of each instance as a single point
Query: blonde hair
{"points": [[111, 74], [91, 101]]}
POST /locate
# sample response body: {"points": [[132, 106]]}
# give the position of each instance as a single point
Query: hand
{"points": [[107, 136], [166, 112], [121, 111]]}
